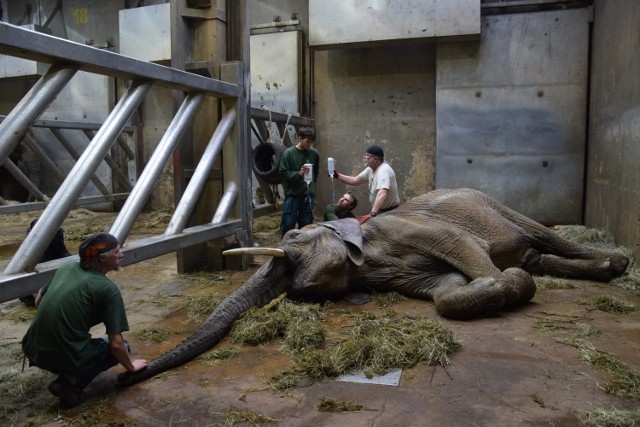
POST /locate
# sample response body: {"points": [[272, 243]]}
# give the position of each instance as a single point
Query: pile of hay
{"points": [[608, 304], [610, 418], [299, 324], [373, 344], [234, 416], [327, 404]]}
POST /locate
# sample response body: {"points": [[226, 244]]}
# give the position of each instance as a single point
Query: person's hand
{"points": [[364, 218], [335, 174], [304, 170], [139, 365]]}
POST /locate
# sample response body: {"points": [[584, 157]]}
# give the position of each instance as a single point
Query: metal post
{"points": [[31, 106], [115, 171], [138, 197], [226, 203], [43, 157], [75, 156], [239, 35], [24, 180], [197, 182], [38, 239]]}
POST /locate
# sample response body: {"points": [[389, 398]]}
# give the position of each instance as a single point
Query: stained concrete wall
{"points": [[613, 175], [511, 118], [380, 95]]}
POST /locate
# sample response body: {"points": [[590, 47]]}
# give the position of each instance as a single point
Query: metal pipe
{"points": [[511, 3], [125, 147], [116, 173], [85, 200], [140, 193], [16, 41], [226, 203], [24, 180], [75, 155], [31, 106], [199, 178], [38, 239], [44, 158]]}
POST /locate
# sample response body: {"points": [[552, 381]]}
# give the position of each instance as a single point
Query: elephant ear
{"points": [[349, 231]]}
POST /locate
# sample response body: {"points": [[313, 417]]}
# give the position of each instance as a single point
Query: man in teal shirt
{"points": [[298, 202], [78, 297]]}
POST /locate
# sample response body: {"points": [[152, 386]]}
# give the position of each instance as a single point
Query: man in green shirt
{"points": [[298, 202], [342, 209], [78, 297]]}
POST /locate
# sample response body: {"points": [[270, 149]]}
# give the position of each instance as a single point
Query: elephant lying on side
{"points": [[465, 251]]}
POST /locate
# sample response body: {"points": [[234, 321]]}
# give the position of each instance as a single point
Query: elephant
{"points": [[468, 253]]}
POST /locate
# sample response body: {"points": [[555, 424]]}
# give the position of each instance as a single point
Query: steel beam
{"points": [[200, 175], [38, 206], [31, 106], [16, 41], [226, 203], [140, 193], [24, 180], [21, 284], [36, 242], [75, 155]]}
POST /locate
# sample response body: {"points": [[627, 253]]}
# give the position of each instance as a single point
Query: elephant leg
{"points": [[602, 269], [483, 295]]}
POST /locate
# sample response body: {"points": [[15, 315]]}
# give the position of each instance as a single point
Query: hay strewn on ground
{"points": [[328, 404], [303, 331]]}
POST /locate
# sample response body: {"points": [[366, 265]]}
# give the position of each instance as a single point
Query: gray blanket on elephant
{"points": [[460, 248]]}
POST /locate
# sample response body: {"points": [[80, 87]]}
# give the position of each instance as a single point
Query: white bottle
{"points": [[308, 177], [330, 166]]}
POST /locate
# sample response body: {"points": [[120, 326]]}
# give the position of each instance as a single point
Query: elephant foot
{"points": [[519, 287], [485, 295], [619, 264], [477, 298]]}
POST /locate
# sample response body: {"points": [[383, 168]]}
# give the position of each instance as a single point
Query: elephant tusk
{"points": [[274, 252]]}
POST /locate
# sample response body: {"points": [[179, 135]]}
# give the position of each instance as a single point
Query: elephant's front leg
{"points": [[458, 298]]}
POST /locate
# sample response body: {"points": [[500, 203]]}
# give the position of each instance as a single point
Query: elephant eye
{"points": [[293, 235]]}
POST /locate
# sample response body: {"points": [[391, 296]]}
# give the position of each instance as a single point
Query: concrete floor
{"points": [[506, 373]]}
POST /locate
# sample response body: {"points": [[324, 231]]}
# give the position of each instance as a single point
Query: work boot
{"points": [[29, 300], [65, 387], [71, 398]]}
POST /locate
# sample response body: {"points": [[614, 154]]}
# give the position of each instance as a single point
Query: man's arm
{"points": [[38, 298], [381, 196], [119, 351], [288, 170], [349, 180]]}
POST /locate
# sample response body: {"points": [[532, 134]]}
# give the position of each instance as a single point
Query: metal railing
{"points": [[23, 275]]}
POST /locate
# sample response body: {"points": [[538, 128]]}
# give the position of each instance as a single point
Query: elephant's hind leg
{"points": [[484, 295], [603, 269]]}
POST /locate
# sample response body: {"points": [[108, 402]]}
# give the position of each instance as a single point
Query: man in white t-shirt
{"points": [[383, 188]]}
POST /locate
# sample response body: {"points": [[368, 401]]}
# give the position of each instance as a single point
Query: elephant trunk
{"points": [[265, 285]]}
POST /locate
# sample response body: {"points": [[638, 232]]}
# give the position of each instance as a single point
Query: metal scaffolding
{"points": [[24, 275]]}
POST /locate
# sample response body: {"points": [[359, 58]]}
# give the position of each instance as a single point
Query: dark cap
{"points": [[376, 150], [97, 244]]}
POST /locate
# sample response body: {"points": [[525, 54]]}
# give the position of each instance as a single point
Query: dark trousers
{"points": [[296, 209], [103, 361]]}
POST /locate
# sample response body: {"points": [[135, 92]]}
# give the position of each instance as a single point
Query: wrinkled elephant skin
{"points": [[465, 251]]}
